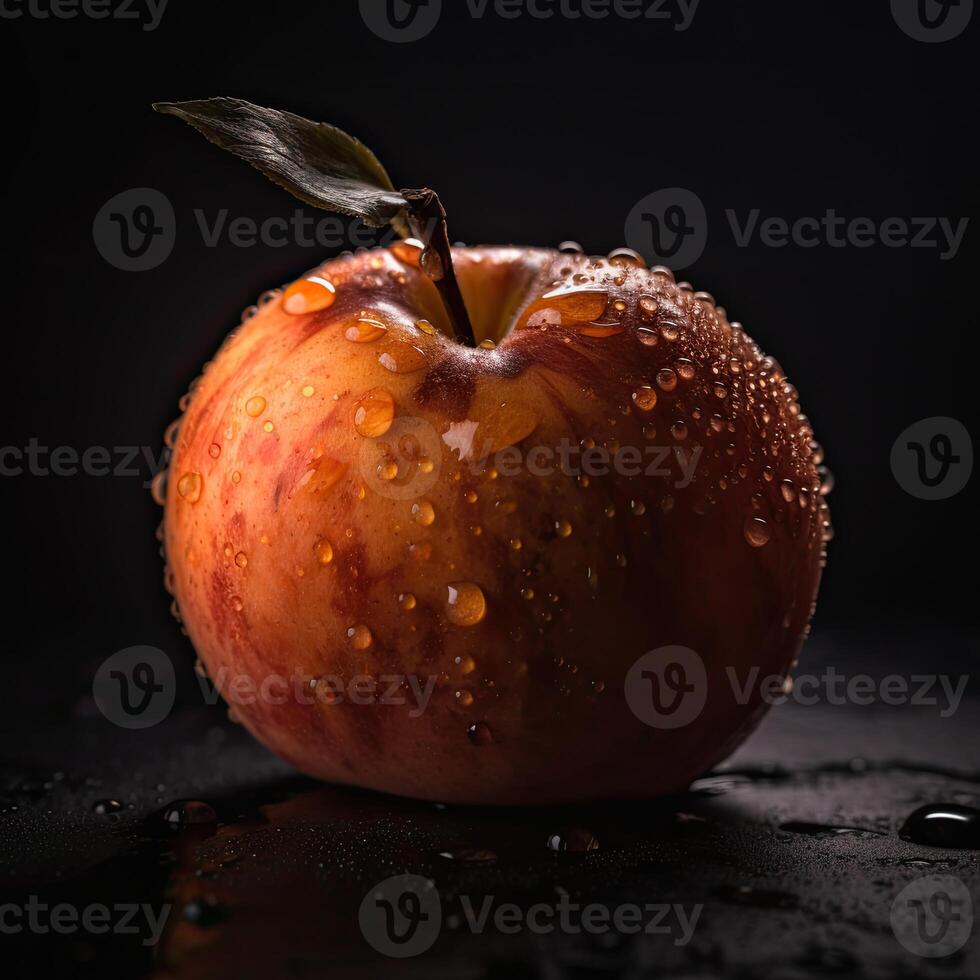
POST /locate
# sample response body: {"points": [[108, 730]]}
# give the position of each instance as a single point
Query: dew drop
{"points": [[424, 513], [323, 550], [241, 559], [360, 637], [573, 840], [466, 604], [309, 295], [757, 532], [189, 486], [365, 330], [255, 406], [563, 529], [407, 601], [479, 733], [645, 398], [374, 413], [409, 251], [189, 813], [666, 379]]}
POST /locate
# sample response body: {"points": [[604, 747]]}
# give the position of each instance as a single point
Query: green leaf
{"points": [[318, 163]]}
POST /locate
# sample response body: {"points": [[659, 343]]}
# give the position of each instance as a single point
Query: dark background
{"points": [[532, 132]]}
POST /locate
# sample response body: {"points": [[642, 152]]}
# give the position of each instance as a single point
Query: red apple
{"points": [[427, 567]]}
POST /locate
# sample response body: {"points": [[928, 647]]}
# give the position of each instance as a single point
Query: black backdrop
{"points": [[533, 131]]}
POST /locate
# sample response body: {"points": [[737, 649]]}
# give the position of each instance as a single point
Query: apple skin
{"points": [[641, 563]]}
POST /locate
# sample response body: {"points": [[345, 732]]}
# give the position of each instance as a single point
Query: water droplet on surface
{"points": [[573, 840], [103, 808], [309, 295], [241, 559], [308, 391], [757, 532], [365, 330], [214, 450], [402, 358], [788, 491], [626, 258], [189, 486], [324, 475], [255, 406], [563, 528], [479, 733], [360, 637], [666, 379], [466, 604], [685, 368], [679, 431], [374, 413], [426, 327], [943, 825], [409, 251], [424, 513], [407, 602], [323, 550], [645, 398], [189, 813]]}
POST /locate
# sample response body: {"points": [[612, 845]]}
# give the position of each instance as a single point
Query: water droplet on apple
{"points": [[757, 532], [360, 637], [309, 295], [406, 601], [645, 398], [189, 486], [424, 513], [666, 379], [466, 604], [479, 733], [402, 358], [563, 528], [365, 330], [323, 550], [409, 251], [255, 406], [374, 413]]}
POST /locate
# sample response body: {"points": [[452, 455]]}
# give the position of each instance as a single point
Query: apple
{"points": [[431, 510]]}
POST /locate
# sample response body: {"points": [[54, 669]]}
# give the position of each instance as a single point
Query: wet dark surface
{"points": [[785, 863]]}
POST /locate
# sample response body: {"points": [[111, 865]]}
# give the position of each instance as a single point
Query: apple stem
{"points": [[427, 220]]}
